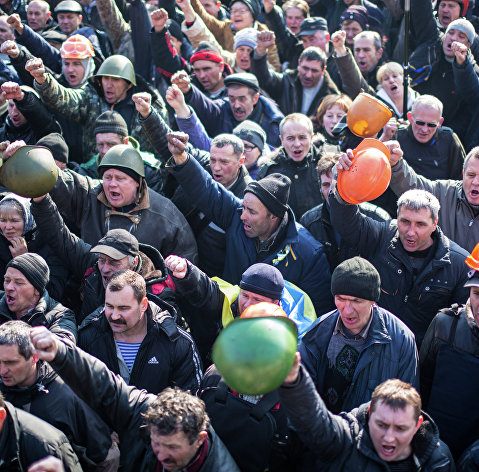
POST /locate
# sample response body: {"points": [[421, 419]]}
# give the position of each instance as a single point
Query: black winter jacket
{"points": [[26, 439], [167, 355], [53, 401], [122, 407], [449, 364], [47, 312], [318, 222], [342, 442], [413, 300]]}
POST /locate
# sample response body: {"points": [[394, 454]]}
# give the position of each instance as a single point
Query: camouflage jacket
{"points": [[85, 104]]}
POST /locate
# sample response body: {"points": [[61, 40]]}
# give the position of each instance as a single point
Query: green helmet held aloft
{"points": [[122, 156], [118, 66]]}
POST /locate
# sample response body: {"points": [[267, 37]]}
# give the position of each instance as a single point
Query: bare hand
{"points": [[345, 161], [460, 51], [142, 103], [264, 40], [12, 91], [182, 80], [47, 464], [16, 23], [294, 372], [37, 69], [177, 142], [184, 4], [395, 150], [389, 130], [13, 147], [268, 5], [3, 147], [45, 343], [176, 100], [18, 247], [40, 198], [339, 39], [10, 48], [177, 266], [159, 19]]}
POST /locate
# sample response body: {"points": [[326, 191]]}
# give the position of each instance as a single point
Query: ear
{"points": [[242, 159], [144, 304], [129, 87], [3, 417], [420, 421], [441, 121], [409, 116], [255, 99], [222, 67], [80, 18], [49, 14], [380, 52], [35, 359], [126, 140], [201, 437]]}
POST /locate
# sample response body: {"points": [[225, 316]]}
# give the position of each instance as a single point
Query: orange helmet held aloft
{"points": [[77, 47], [369, 174], [472, 260], [367, 115]]}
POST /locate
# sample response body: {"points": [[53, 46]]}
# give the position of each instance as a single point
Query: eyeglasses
{"points": [[248, 147], [429, 125], [239, 11]]}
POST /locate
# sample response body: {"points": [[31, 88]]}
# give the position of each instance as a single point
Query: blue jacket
{"points": [[390, 353], [217, 117], [301, 259]]}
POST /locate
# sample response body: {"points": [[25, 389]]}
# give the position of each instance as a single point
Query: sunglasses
{"points": [[429, 125]]}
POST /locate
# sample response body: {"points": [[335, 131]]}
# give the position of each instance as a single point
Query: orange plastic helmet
{"points": [[472, 260], [367, 116], [77, 47], [369, 175], [263, 309]]}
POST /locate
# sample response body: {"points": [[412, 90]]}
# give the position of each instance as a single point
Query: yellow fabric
{"points": [[231, 293]]}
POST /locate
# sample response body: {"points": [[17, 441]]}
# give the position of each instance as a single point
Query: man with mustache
{"points": [[139, 341]]}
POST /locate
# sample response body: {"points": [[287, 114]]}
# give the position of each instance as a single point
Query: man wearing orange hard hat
{"points": [[449, 363], [421, 270]]}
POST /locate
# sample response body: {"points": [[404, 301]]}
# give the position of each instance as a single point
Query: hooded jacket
{"points": [[47, 312], [342, 442], [53, 401]]}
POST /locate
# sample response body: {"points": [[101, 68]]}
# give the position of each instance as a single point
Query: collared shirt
{"points": [[341, 329]]}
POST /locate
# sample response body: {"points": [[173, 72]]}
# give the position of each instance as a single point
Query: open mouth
{"points": [[362, 65], [388, 450], [9, 299], [246, 227], [297, 153], [474, 193]]}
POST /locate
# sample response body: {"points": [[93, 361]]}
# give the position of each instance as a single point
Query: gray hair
{"points": [[429, 101], [473, 153], [417, 200], [372, 36], [17, 332], [226, 139]]}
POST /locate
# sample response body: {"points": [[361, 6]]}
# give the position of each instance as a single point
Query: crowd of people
{"points": [[198, 146]]}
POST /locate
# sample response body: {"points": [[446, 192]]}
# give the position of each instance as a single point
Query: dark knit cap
{"points": [[263, 279], [57, 145], [273, 191], [356, 277], [251, 132], [356, 13], [34, 268], [253, 7], [111, 122], [117, 244]]}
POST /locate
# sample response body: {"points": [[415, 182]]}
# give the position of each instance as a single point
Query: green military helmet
{"points": [[123, 156], [117, 66], [254, 355], [68, 6], [30, 172]]}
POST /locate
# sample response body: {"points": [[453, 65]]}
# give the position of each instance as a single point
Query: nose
{"points": [[347, 308], [162, 455], [388, 435], [243, 216]]}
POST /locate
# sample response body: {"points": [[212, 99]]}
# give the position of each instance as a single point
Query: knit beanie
{"points": [[174, 29], [34, 268], [246, 37], [356, 13], [263, 279], [57, 146], [273, 191], [463, 26], [356, 277], [253, 7], [251, 132], [111, 122]]}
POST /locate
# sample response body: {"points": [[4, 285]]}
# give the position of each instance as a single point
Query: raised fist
{"points": [[159, 19], [182, 80], [10, 48], [37, 69], [264, 40], [12, 91]]}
